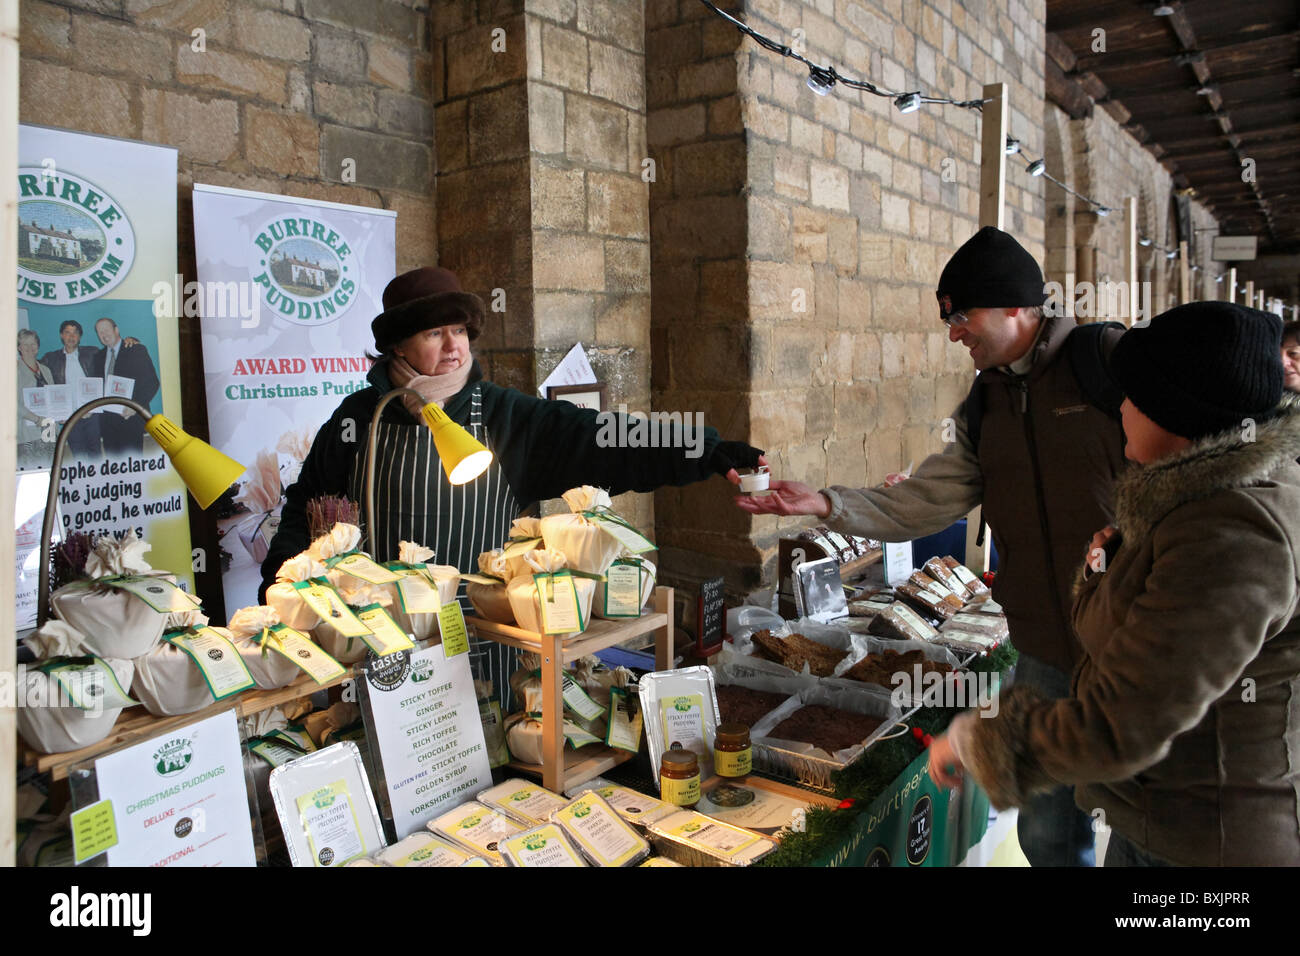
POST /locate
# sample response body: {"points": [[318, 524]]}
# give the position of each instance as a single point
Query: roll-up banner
{"points": [[287, 288], [96, 242]]}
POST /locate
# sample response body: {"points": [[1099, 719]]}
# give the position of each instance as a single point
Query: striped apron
{"points": [[415, 502]]}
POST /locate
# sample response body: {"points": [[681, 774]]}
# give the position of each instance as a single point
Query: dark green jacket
{"points": [[544, 447]]}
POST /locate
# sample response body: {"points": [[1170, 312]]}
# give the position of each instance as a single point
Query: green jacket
{"points": [[544, 447]]}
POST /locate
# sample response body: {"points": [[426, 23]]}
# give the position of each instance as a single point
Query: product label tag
{"points": [[624, 721], [159, 593], [481, 579], [543, 846], [384, 636], [578, 700], [683, 722], [727, 840], [296, 646], [451, 624], [516, 548], [733, 763], [92, 687], [217, 659], [361, 566], [330, 821], [601, 831], [559, 603], [622, 532], [623, 590], [416, 593], [577, 737], [94, 831], [494, 735], [274, 752], [329, 605], [681, 793]]}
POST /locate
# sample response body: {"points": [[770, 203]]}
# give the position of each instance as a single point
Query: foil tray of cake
{"points": [[693, 839], [819, 731]]}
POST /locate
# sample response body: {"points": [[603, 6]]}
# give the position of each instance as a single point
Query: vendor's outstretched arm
{"points": [[944, 488]]}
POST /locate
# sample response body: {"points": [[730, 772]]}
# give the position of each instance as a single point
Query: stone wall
{"points": [[1099, 159], [268, 96], [796, 239]]}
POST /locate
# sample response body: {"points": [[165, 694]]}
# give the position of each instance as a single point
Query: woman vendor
{"points": [[541, 448], [1182, 733]]}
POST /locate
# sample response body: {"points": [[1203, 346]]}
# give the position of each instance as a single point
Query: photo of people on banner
{"points": [[69, 355]]}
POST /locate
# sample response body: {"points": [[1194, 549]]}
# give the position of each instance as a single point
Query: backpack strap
{"points": [[1089, 348], [974, 413]]}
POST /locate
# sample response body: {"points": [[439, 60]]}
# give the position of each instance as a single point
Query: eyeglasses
{"points": [[955, 318]]}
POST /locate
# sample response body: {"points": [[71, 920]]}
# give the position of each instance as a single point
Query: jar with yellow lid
{"points": [[679, 778], [733, 757]]}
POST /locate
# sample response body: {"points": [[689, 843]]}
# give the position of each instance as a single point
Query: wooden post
{"points": [[1184, 274], [993, 205], [1131, 255], [1250, 292], [552, 712], [1232, 285], [8, 423], [993, 156]]}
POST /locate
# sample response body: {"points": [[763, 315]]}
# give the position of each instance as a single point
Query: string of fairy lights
{"points": [[822, 80]]}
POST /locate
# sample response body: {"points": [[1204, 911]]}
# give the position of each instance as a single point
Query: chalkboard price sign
{"points": [[711, 618]]}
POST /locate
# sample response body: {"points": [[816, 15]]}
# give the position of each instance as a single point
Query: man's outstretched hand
{"points": [[786, 498]]}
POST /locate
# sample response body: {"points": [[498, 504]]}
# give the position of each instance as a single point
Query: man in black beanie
{"points": [[1036, 444]]}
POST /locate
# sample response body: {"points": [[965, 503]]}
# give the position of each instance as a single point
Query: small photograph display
{"points": [[819, 590]]}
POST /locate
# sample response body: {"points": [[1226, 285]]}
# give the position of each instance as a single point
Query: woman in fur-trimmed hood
{"points": [[1184, 724]]}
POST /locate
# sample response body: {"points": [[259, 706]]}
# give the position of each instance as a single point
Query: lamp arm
{"points": [[52, 497], [372, 450]]}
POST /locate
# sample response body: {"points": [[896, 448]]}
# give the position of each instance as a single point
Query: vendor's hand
{"points": [[1097, 547], [733, 476], [729, 455], [786, 498], [945, 768], [894, 478]]}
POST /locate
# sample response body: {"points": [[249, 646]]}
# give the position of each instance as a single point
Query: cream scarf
{"points": [[433, 388]]}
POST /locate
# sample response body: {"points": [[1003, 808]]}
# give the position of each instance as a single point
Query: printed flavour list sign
{"points": [[423, 714]]}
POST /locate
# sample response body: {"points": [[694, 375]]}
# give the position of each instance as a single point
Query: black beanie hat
{"points": [[990, 271], [1203, 367]]}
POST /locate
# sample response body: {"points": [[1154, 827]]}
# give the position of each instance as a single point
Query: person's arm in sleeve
{"points": [[1200, 620], [551, 446], [945, 488]]}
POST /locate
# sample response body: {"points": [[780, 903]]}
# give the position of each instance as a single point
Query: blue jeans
{"points": [[1051, 829], [1121, 851]]}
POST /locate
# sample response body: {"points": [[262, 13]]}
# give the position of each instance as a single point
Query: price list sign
{"points": [[711, 614], [425, 720]]}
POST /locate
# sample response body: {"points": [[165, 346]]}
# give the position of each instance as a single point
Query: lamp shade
{"points": [[463, 456], [206, 472]]}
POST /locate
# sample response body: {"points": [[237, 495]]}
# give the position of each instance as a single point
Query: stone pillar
{"points": [[541, 200]]}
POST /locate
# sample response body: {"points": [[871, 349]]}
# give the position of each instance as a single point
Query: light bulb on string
{"points": [[908, 102], [1036, 168], [1144, 241], [821, 81], [1013, 146]]}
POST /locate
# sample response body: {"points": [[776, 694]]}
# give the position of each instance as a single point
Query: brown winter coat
{"points": [[1184, 724]]}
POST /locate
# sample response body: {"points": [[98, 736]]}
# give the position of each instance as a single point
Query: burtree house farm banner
{"points": [[96, 234], [287, 288]]}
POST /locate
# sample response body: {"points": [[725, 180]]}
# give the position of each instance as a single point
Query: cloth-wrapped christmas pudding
{"points": [[421, 590], [525, 535], [70, 703], [121, 607], [489, 598], [582, 539], [262, 495], [249, 629], [630, 572], [550, 581], [194, 666], [287, 600]]}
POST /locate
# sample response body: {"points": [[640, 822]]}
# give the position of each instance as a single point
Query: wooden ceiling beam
{"points": [[1106, 62]]}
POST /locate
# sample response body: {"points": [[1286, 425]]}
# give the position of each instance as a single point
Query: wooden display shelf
{"points": [[136, 724], [557, 770]]}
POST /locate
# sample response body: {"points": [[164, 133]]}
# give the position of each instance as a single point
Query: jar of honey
{"points": [[679, 778], [733, 757]]}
